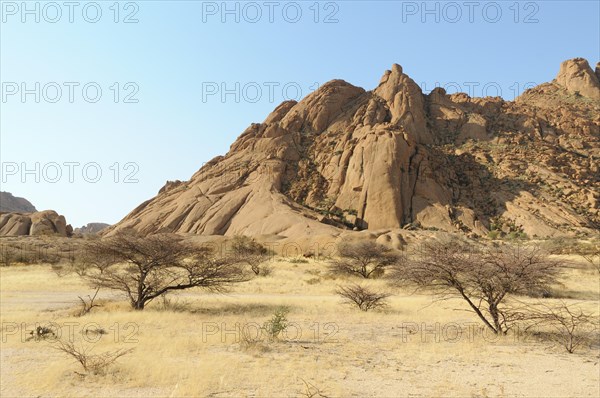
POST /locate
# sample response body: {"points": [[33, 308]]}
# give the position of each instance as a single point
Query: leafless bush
{"points": [[173, 304], [34, 250], [265, 270], [248, 251], [88, 303], [95, 331], [363, 297], [247, 340], [313, 281], [95, 364], [366, 259], [82, 265], [564, 245], [12, 254], [572, 327], [298, 260], [144, 268], [593, 258], [77, 266], [253, 342], [483, 277], [311, 391], [8, 255]]}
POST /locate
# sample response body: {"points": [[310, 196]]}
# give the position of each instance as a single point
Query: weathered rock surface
{"points": [[395, 158], [91, 228], [577, 76], [46, 222], [10, 203]]}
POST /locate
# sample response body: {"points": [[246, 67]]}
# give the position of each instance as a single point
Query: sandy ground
{"points": [[194, 348]]}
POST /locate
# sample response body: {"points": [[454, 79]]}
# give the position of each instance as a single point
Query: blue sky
{"points": [[166, 116]]}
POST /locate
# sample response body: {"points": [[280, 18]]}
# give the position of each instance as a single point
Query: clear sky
{"points": [[173, 60]]}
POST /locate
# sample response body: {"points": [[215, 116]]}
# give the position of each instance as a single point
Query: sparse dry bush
{"points": [[363, 297], [367, 259], [265, 270], [88, 302], [251, 342], [593, 258], [248, 251], [41, 333], [81, 265], [173, 304], [95, 331], [298, 260], [315, 276], [18, 254], [565, 245], [482, 276], [43, 254], [247, 340], [35, 250], [571, 327], [96, 364], [8, 255], [311, 391]]}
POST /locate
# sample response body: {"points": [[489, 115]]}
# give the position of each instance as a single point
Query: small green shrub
{"points": [[277, 324], [516, 235]]}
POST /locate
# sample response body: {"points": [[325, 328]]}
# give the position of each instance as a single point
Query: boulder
{"points": [[46, 222], [14, 224]]}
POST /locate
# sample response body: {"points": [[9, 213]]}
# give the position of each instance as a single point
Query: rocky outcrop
{"points": [[396, 158], [577, 76], [91, 228], [10, 203], [40, 223], [405, 101]]}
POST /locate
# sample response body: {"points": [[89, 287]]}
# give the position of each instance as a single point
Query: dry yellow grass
{"points": [[194, 349]]}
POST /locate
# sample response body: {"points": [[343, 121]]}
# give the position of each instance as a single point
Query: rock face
{"points": [[577, 76], [91, 228], [46, 222], [10, 203], [394, 157]]}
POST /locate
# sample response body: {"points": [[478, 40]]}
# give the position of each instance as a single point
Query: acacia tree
{"points": [[483, 277], [365, 258], [145, 268]]}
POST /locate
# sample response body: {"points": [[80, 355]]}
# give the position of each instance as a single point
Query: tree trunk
{"points": [[495, 318], [477, 311]]}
